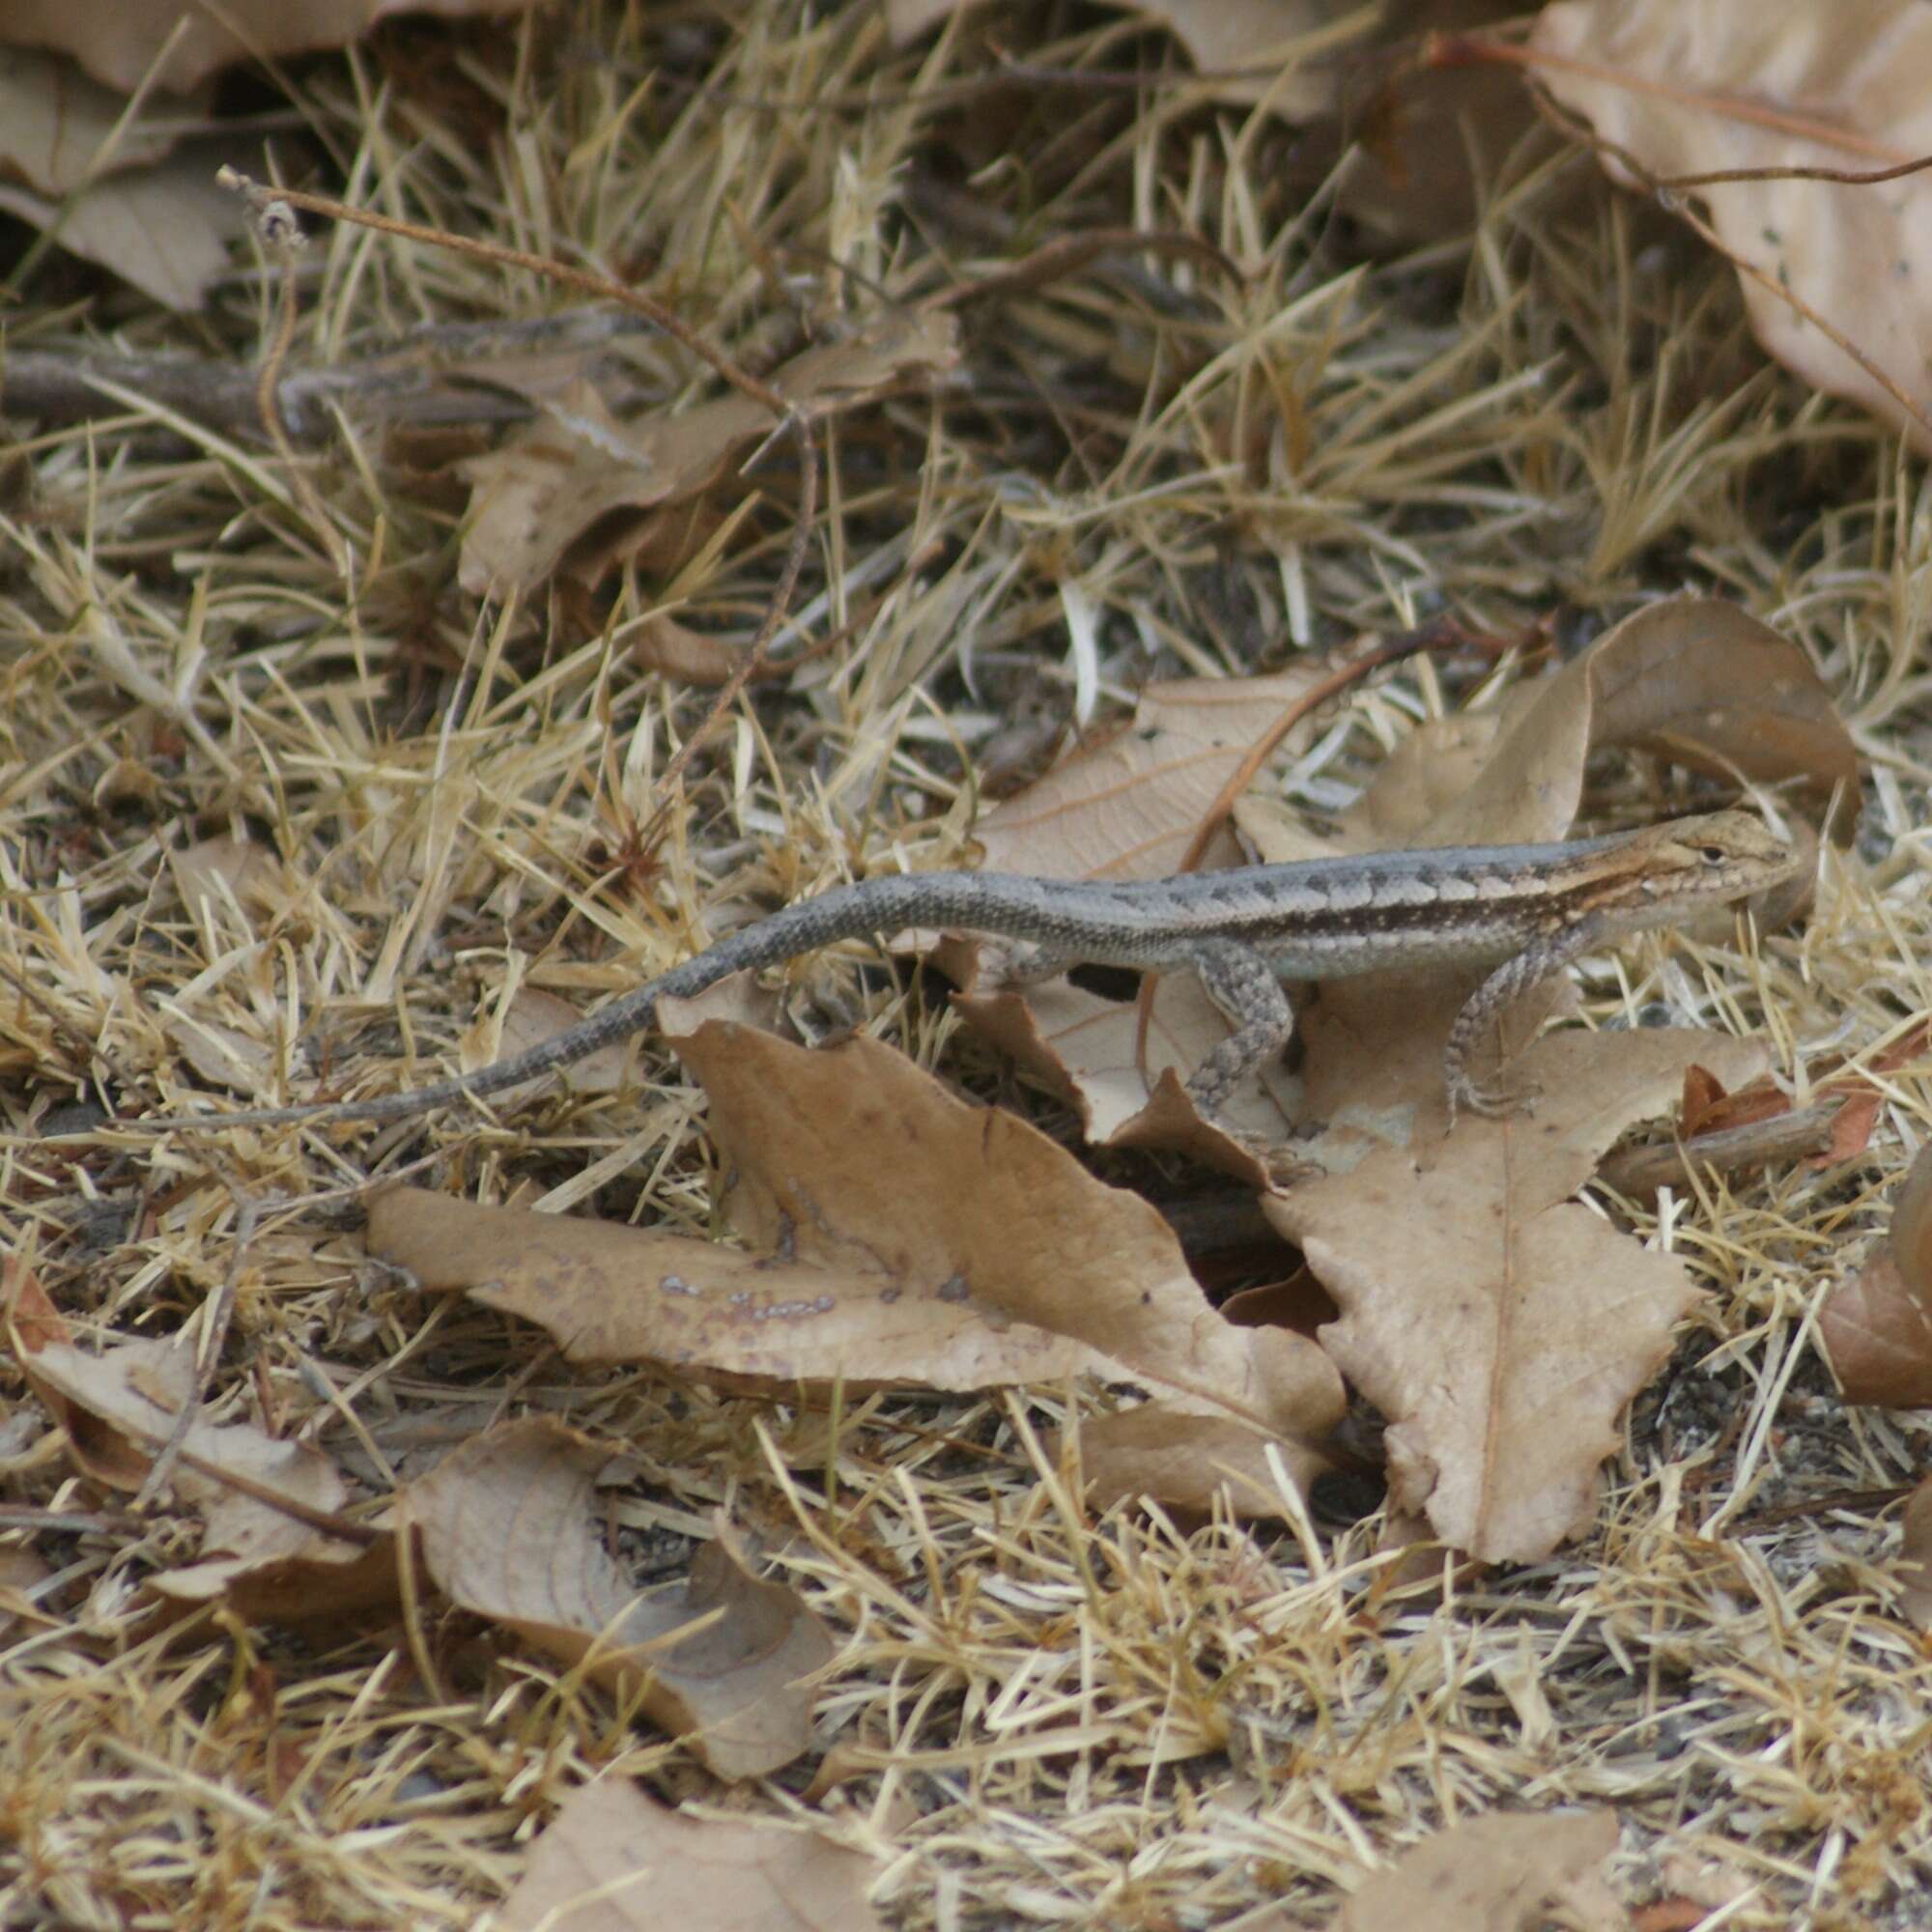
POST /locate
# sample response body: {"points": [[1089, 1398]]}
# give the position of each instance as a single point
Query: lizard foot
{"points": [[1492, 1103]]}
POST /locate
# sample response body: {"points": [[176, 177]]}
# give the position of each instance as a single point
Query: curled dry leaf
{"points": [[615, 1860], [724, 1659], [573, 491], [21, 1570], [119, 1407], [1877, 1327], [1780, 84], [1507, 1872]]}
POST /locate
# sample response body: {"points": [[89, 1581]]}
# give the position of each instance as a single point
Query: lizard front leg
{"points": [[1240, 981], [1487, 1004]]}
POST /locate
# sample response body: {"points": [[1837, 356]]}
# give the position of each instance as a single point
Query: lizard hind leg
{"points": [[1239, 980]]}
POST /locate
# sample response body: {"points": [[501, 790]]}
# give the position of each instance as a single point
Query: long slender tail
{"points": [[847, 912]]}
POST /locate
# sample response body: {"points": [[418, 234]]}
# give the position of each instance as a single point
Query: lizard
{"points": [[1525, 911]]}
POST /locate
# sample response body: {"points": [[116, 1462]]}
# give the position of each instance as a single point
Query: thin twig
{"points": [[601, 286], [282, 241], [1638, 1172], [401, 385], [1067, 253]]}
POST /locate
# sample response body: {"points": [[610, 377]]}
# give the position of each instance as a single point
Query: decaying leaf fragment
{"points": [[1233, 40], [119, 1406], [723, 1660], [615, 1860], [1780, 84], [1877, 1327], [124, 196], [127, 42], [1505, 1872], [1915, 1557]]}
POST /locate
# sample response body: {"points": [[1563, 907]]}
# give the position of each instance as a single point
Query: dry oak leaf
{"points": [[1755, 84], [1877, 1327], [616, 1861], [1498, 1325], [120, 1406], [1505, 1872], [723, 1660], [898, 1235], [852, 1154], [550, 499]]}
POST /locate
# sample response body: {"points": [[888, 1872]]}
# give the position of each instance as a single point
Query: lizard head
{"points": [[1712, 859]]}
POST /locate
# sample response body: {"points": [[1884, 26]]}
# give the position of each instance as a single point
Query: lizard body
{"points": [[1528, 910]]}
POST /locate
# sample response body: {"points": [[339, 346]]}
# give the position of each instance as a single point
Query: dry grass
{"points": [[1045, 1716]]}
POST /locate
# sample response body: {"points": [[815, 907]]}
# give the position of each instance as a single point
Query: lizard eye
{"points": [[1713, 855]]}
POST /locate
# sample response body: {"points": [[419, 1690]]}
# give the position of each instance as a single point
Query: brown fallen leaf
{"points": [[616, 1861], [1914, 1563], [614, 1294], [853, 1155], [1877, 1327], [213, 875], [1780, 84], [1505, 1872], [895, 1235], [533, 1016], [119, 1406], [1414, 145], [570, 492], [1499, 1326], [723, 1660]]}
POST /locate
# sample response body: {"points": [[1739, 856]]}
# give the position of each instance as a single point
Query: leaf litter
{"points": [[1039, 1699]]}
